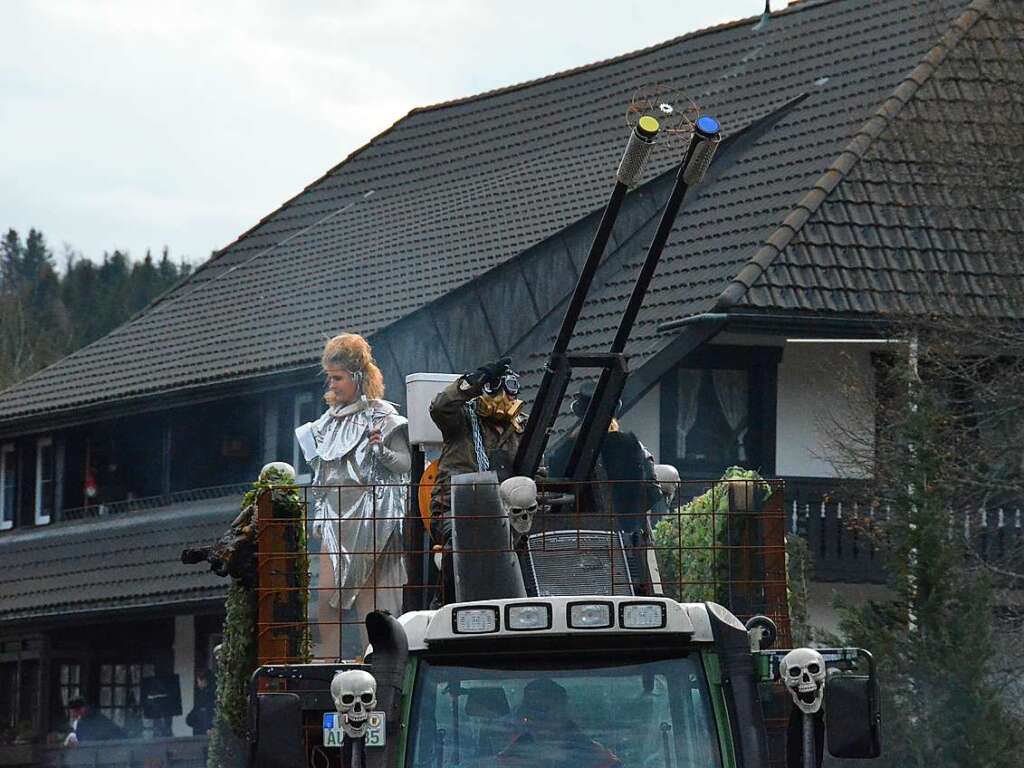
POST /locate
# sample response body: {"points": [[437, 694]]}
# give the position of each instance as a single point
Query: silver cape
{"points": [[357, 522]]}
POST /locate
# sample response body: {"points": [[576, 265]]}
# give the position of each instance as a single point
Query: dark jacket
{"points": [[458, 456], [96, 727], [200, 719]]}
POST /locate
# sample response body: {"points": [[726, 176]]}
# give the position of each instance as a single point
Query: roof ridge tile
{"points": [[852, 153]]}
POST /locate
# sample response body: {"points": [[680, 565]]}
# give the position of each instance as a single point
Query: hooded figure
{"points": [[482, 421], [359, 452]]}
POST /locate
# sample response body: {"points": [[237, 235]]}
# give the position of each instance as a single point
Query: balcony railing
{"points": [[838, 526], [830, 517], [154, 502]]}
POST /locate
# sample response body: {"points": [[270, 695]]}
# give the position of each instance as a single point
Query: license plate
{"points": [[334, 735]]}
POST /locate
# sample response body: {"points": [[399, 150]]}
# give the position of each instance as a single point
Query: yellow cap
{"points": [[648, 125]]}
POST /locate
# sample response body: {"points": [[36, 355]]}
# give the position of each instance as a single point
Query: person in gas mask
{"points": [[481, 421]]}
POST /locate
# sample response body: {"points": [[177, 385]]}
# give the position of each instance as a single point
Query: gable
{"points": [[928, 218]]}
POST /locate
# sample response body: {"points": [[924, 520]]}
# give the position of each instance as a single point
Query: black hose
{"points": [[387, 663]]}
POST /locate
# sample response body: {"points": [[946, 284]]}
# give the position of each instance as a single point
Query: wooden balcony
{"points": [[834, 518]]}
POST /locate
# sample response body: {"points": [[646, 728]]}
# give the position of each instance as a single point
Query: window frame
{"points": [[761, 364], [41, 443], [684, 672], [119, 713], [69, 689], [6, 448]]}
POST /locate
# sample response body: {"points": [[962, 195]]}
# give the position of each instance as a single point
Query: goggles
{"points": [[509, 382]]}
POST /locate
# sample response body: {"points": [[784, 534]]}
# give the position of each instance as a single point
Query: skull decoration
{"points": [[280, 466], [355, 695], [667, 477], [803, 672], [519, 502]]}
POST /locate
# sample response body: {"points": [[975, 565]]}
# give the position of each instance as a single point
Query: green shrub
{"points": [[688, 541]]}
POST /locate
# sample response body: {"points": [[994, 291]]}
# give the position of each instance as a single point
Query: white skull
{"points": [[519, 502], [288, 470], [668, 479], [803, 672], [355, 695]]}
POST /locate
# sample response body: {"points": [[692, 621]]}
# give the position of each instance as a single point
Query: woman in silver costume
{"points": [[359, 452]]}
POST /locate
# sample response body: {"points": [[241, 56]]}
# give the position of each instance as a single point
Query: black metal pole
{"points": [[557, 371], [810, 749], [415, 552], [699, 153]]}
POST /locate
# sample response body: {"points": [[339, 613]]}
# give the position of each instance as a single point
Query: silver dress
{"points": [[360, 494]]}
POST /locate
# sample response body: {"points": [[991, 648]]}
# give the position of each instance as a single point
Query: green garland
{"points": [[237, 660], [235, 664], [688, 542]]}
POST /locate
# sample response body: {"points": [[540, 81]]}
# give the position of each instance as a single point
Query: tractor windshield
{"points": [[588, 714]]}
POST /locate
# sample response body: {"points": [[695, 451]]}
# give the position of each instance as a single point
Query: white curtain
{"points": [[689, 386], [731, 390]]}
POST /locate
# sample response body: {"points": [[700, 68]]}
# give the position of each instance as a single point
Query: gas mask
{"points": [[500, 406], [498, 401]]}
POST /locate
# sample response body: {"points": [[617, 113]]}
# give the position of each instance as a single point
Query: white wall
{"points": [[821, 387], [185, 669], [644, 420]]}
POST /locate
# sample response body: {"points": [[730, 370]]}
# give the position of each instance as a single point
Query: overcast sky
{"points": [[132, 124]]}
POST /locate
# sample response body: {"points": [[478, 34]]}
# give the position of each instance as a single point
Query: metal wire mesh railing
{"points": [[322, 569]]}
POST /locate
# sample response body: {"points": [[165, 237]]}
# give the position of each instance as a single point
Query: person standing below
{"points": [[359, 452], [481, 421], [88, 726], [200, 719]]}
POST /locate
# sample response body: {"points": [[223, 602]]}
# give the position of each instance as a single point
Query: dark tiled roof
{"points": [[734, 220], [122, 562], [451, 192], [924, 215]]}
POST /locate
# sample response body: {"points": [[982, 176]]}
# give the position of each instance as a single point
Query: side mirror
{"points": [[853, 719], [279, 735]]}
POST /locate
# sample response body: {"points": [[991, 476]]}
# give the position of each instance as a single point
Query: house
{"points": [[456, 236]]}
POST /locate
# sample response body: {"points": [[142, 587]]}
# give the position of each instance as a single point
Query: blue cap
{"points": [[708, 125]]}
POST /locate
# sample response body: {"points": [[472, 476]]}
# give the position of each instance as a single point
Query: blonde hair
{"points": [[352, 352]]}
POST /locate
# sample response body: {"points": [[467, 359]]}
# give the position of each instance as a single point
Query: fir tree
{"points": [[947, 447], [45, 315]]}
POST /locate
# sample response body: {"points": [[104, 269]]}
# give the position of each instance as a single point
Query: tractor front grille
{"points": [[577, 563]]}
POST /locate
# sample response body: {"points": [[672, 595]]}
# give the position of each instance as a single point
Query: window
{"points": [[304, 408], [70, 682], [719, 411], [19, 699], [8, 700], [120, 692], [579, 711], [46, 480], [713, 417], [8, 485]]}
